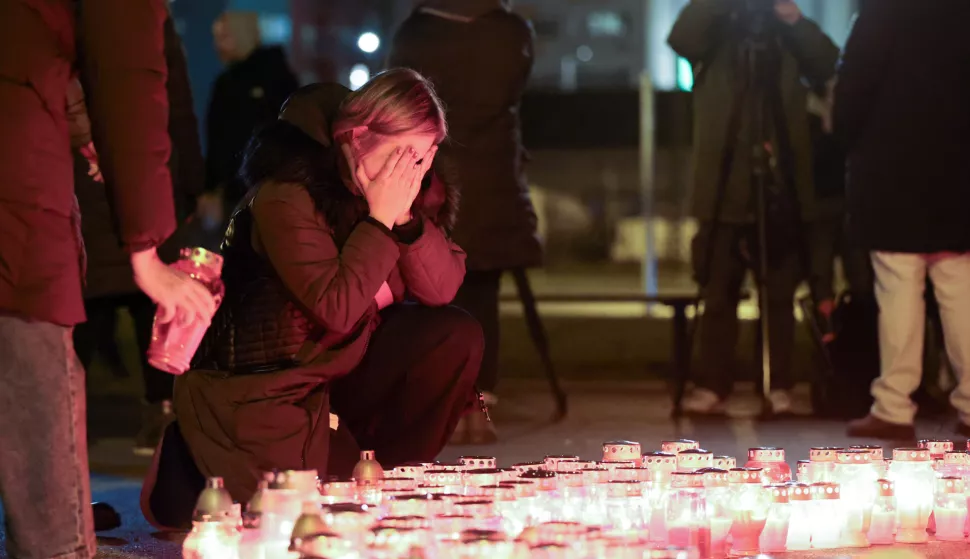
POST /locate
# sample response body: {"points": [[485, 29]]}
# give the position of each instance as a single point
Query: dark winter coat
{"points": [[303, 263], [118, 44], [706, 33], [479, 56], [902, 108], [108, 268], [247, 95]]}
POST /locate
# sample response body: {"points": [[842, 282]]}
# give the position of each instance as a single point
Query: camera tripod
{"points": [[758, 96]]}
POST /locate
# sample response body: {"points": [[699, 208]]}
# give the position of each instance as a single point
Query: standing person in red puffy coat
{"points": [[479, 55], [44, 481]]}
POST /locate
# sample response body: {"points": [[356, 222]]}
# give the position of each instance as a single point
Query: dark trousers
{"points": [[405, 398], [479, 295], [733, 254], [98, 332], [828, 239]]}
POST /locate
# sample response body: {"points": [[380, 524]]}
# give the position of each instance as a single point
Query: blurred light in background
{"points": [[584, 53], [685, 75], [369, 42], [275, 29], [359, 75]]}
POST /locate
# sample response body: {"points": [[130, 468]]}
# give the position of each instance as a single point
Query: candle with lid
{"points": [[688, 525], [621, 451], [878, 457], [802, 471], [827, 517], [822, 460], [951, 509], [882, 526], [955, 463], [552, 461], [478, 462], [774, 538], [771, 460], [749, 509], [694, 459], [679, 445], [937, 447], [856, 475], [912, 474], [725, 462], [718, 498], [800, 523], [210, 539], [661, 466]]}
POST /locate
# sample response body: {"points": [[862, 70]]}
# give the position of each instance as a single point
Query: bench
{"points": [[681, 336]]}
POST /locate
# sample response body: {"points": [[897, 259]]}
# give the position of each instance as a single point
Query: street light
{"points": [[368, 42], [359, 75]]}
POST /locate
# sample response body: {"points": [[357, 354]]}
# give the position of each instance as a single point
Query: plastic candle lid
{"points": [[853, 457], [766, 454], [826, 491], [911, 455]]}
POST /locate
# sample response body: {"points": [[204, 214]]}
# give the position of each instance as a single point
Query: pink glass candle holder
{"points": [[173, 345], [771, 460], [951, 509], [827, 517], [800, 523], [774, 538], [718, 498], [749, 510], [937, 447], [621, 451], [725, 462], [882, 526], [912, 473], [661, 466], [679, 445], [688, 526], [822, 460], [857, 476]]}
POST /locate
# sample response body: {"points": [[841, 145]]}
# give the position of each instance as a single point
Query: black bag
{"points": [[842, 389]]}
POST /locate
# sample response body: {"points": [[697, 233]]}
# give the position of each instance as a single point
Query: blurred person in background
{"points": [[338, 271], [248, 94], [709, 34], [44, 480], [479, 55], [109, 285], [901, 110]]}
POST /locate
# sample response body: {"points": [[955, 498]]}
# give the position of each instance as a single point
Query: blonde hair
{"points": [[399, 101]]}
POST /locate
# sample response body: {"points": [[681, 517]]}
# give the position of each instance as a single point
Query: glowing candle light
{"points": [[774, 538], [718, 498], [688, 525], [882, 526], [749, 510], [827, 517], [912, 473], [210, 539], [802, 471], [552, 461], [822, 459], [661, 466], [771, 460], [950, 509], [800, 522], [857, 477]]}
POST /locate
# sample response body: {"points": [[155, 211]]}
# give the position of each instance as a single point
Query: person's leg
{"points": [[88, 334], [782, 279], [44, 479], [157, 412], [404, 399], [823, 238], [900, 284], [720, 284], [951, 280]]}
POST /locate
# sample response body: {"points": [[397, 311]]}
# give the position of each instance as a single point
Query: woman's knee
{"points": [[460, 331]]}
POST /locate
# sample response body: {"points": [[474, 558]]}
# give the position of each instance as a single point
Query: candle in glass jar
{"points": [[857, 478], [621, 451], [725, 462], [680, 445], [827, 517], [749, 510], [661, 466], [951, 509], [694, 459], [937, 447], [771, 460], [774, 538], [800, 523], [912, 473], [882, 525], [822, 459], [718, 498], [688, 526]]}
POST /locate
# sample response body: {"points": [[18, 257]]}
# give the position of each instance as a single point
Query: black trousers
{"points": [[721, 287], [405, 398], [97, 334], [479, 295], [828, 239]]}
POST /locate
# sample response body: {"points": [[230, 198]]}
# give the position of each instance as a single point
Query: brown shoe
{"points": [[480, 429], [871, 427], [460, 436]]}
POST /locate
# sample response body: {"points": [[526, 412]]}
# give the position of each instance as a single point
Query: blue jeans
{"points": [[44, 481]]}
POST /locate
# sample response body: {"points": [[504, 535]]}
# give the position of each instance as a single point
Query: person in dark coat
{"points": [[246, 95], [901, 110], [710, 34], [338, 272], [109, 283], [44, 480], [479, 55]]}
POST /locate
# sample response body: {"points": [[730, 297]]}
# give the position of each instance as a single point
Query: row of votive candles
{"points": [[679, 502]]}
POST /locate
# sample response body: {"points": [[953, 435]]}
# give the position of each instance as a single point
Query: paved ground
{"points": [[600, 411]]}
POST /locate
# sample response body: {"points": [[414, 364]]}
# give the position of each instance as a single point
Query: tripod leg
{"points": [[682, 351], [541, 341]]}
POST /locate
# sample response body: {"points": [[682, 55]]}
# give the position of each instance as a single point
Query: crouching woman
{"points": [[338, 271]]}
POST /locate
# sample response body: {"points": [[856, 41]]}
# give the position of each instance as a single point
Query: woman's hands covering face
{"points": [[390, 194]]}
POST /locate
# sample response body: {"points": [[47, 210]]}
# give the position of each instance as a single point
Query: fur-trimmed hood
{"points": [[300, 148]]}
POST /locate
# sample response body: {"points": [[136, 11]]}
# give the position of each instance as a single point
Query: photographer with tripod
{"points": [[753, 186]]}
